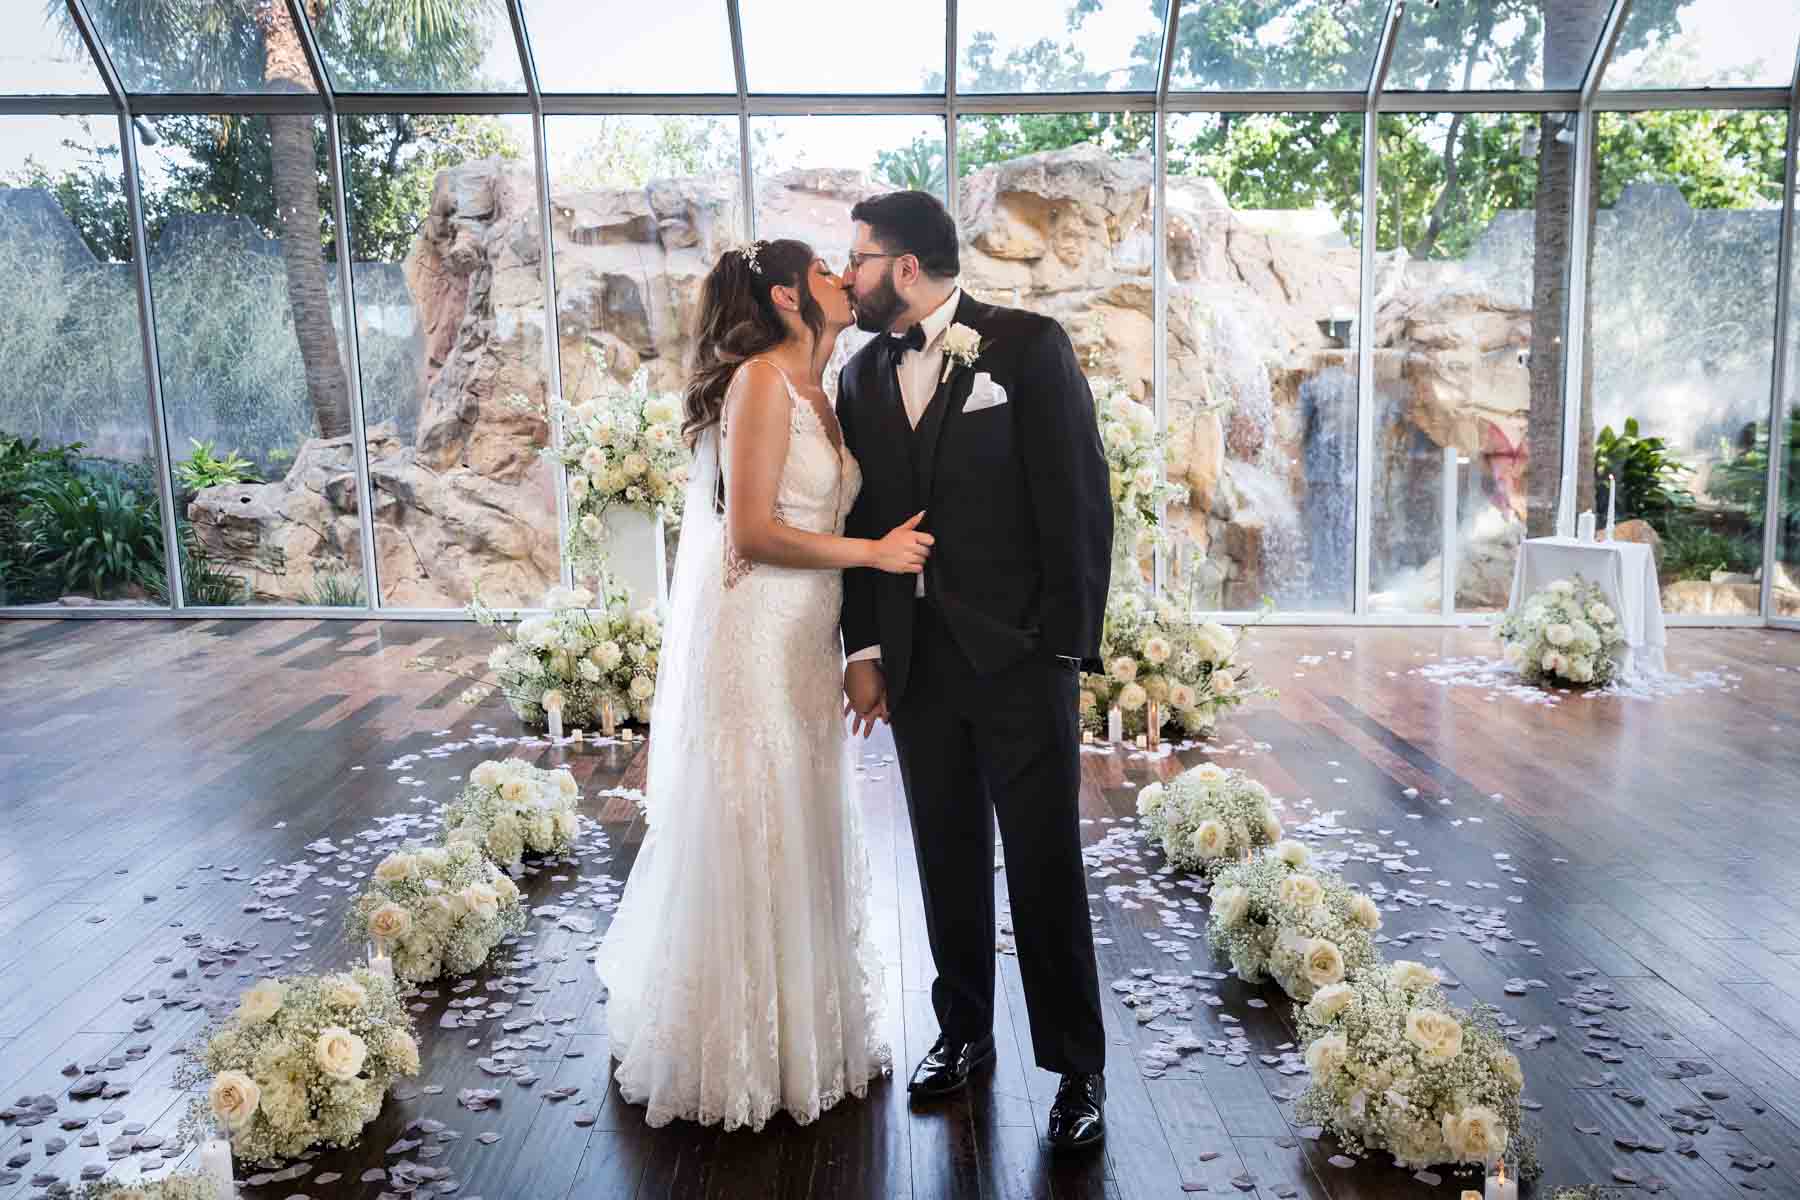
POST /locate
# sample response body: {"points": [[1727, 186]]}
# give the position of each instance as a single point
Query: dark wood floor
{"points": [[1642, 851]]}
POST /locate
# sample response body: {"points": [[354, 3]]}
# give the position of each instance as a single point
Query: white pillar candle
{"points": [[1500, 1185], [215, 1165], [556, 730], [1612, 493], [1115, 725], [379, 962], [1584, 527]]}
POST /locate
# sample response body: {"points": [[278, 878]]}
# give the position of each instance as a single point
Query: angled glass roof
{"points": [[1705, 43], [1450, 47], [43, 56], [1299, 45], [203, 47], [381, 46], [822, 46], [1098, 46], [687, 48]]}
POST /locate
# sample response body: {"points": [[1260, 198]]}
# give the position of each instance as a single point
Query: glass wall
{"points": [[1681, 318], [77, 465], [1472, 237], [1263, 265], [1784, 597], [448, 268], [250, 335]]}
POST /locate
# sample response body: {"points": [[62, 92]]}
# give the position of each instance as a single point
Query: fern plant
{"points": [[204, 469]]}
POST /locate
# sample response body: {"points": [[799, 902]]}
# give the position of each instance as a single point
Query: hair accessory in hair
{"points": [[750, 251]]}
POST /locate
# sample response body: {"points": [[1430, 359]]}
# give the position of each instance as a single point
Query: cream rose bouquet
{"points": [[1208, 817], [437, 909], [305, 1062], [575, 656], [184, 1186], [1134, 457], [622, 447], [1396, 1068], [1566, 633], [1302, 925], [1150, 652], [510, 807]]}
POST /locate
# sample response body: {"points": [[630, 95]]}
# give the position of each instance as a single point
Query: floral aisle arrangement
{"points": [[1207, 817], [1304, 926], [184, 1186], [1134, 457], [621, 448], [305, 1061], [1396, 1068], [1566, 633], [510, 807], [437, 909], [1190, 671], [585, 660]]}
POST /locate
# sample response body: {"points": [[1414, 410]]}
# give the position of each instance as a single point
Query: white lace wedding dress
{"points": [[741, 972]]}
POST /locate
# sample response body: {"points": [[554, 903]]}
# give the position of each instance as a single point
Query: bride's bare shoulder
{"points": [[758, 393]]}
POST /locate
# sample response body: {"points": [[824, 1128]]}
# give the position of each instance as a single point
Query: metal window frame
{"points": [[1777, 481], [1370, 102]]}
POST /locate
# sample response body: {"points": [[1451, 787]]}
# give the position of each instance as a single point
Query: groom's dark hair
{"points": [[915, 223]]}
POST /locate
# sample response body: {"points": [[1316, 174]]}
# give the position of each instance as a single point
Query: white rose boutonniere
{"points": [[961, 345]]}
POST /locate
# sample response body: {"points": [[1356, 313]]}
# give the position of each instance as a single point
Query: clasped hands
{"points": [[865, 695]]}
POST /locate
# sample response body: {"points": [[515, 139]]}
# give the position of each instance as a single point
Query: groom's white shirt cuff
{"points": [[866, 653]]}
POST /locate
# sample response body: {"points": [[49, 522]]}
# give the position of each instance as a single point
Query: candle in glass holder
{"points": [[379, 962], [609, 720], [1500, 1185], [1469, 1195], [1115, 725], [554, 717], [1153, 725], [1087, 737], [625, 734], [215, 1165]]}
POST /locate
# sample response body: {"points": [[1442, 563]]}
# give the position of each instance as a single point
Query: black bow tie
{"points": [[912, 339]]}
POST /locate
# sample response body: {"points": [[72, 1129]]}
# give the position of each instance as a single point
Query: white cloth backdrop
{"points": [[1625, 572]]}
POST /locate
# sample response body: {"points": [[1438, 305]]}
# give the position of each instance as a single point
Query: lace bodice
{"points": [[820, 479]]}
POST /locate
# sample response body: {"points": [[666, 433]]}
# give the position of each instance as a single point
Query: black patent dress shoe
{"points": [[1078, 1118], [948, 1065]]}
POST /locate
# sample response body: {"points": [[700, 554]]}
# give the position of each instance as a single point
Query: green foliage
{"points": [[90, 535], [1647, 473], [916, 167], [202, 469], [332, 589], [24, 465], [1740, 480], [1694, 550], [630, 151], [203, 582]]}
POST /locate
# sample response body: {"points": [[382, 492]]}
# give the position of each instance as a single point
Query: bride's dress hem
{"points": [[656, 1117]]}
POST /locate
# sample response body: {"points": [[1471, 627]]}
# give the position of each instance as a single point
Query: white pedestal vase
{"points": [[635, 557]]}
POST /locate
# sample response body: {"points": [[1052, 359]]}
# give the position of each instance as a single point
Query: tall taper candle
{"points": [[1612, 492]]}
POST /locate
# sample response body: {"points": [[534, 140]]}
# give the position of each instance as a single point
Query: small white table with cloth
{"points": [[1624, 571]]}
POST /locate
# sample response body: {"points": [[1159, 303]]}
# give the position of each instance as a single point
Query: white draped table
{"points": [[1625, 573]]}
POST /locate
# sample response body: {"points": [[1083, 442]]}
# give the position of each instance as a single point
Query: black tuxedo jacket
{"points": [[1017, 496]]}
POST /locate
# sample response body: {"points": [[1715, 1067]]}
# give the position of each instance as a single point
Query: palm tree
{"points": [[217, 45]]}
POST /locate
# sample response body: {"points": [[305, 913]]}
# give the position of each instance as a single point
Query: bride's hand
{"points": [[904, 550]]}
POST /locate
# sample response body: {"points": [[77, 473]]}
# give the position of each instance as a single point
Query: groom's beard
{"points": [[877, 311]]}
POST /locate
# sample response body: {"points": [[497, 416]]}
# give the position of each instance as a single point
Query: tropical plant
{"points": [[203, 469], [1645, 470], [24, 464], [90, 534], [334, 589], [204, 583], [1692, 550]]}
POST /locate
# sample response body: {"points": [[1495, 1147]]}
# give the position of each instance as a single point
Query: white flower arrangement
{"points": [[1134, 457], [183, 1186], [1396, 1068], [577, 657], [961, 346], [510, 807], [437, 909], [622, 447], [1208, 817], [1566, 633], [1190, 669], [1304, 926], [306, 1061]]}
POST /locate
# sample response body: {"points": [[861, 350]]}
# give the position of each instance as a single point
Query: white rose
{"points": [[396, 867], [515, 791], [1089, 702], [1220, 640], [578, 487], [1581, 670], [1133, 697], [482, 900], [566, 823], [1329, 1001], [1323, 962], [1438, 1034], [1511, 1071], [1230, 904], [487, 775], [1561, 587], [1475, 1134], [1117, 435], [1271, 829], [234, 1097], [1552, 662], [1144, 478], [608, 655], [344, 991], [507, 889], [1559, 634], [261, 1002], [1300, 892], [1210, 840], [1150, 801], [1124, 668], [435, 858], [403, 1052], [635, 465], [642, 687], [960, 341], [661, 410], [1410, 976], [593, 459], [339, 1053], [390, 922], [1601, 614], [1294, 854], [590, 525], [589, 670], [1365, 912], [1223, 683], [1326, 1055], [1181, 696]]}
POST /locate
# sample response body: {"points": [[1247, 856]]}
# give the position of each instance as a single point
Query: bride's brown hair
{"points": [[738, 320]]}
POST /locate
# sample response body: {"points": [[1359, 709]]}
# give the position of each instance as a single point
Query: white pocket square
{"points": [[985, 394]]}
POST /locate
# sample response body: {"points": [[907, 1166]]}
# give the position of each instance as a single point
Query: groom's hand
{"points": [[865, 694]]}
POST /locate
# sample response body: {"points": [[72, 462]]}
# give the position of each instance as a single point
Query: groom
{"points": [[980, 417]]}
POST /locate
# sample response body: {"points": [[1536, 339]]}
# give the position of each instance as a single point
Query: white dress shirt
{"points": [[919, 371]]}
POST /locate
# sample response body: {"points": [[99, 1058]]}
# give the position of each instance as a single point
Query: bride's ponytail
{"points": [[738, 320]]}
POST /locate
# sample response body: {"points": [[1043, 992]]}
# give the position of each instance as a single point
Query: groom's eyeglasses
{"points": [[858, 259]]}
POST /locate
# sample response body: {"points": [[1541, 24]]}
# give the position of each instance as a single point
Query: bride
{"points": [[741, 972]]}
